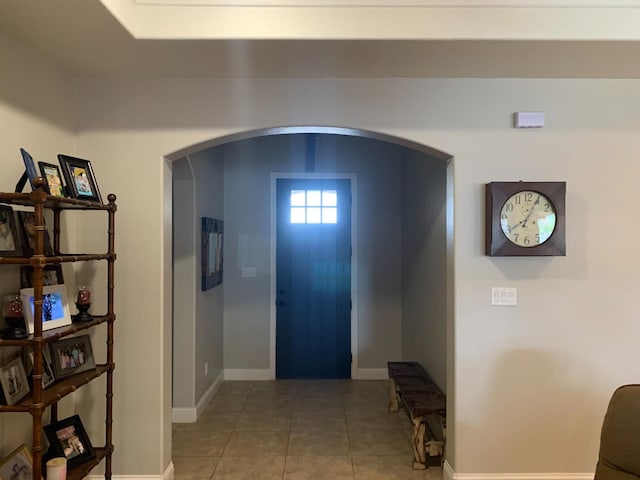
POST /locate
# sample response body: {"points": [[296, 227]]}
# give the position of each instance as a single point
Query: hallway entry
{"points": [[313, 278]]}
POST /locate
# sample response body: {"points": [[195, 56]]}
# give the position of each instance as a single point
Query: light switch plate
{"points": [[504, 296]]}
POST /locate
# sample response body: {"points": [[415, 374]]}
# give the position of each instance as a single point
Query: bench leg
{"points": [[420, 459], [393, 396]]}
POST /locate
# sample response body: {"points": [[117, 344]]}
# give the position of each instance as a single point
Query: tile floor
{"points": [[298, 430]]}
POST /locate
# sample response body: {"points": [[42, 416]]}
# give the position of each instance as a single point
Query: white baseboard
{"points": [[167, 475], [191, 414], [449, 474], [370, 374], [267, 374], [248, 374]]}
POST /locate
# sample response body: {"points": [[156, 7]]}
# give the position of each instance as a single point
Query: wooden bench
{"points": [[411, 386]]}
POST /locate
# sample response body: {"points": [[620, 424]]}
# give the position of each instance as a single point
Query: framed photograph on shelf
{"points": [[13, 379], [53, 177], [47, 369], [27, 223], [17, 465], [55, 307], [9, 239], [29, 166], [81, 182], [212, 252], [68, 439], [51, 275], [71, 355]]}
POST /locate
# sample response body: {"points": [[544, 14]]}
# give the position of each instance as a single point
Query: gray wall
{"points": [[198, 191], [424, 292], [248, 168]]}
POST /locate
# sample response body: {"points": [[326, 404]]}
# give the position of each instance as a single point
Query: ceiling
{"points": [[84, 38]]}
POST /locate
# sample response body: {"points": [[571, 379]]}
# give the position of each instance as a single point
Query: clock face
{"points": [[528, 218]]}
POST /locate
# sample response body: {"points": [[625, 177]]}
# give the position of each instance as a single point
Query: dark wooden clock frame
{"points": [[496, 242]]}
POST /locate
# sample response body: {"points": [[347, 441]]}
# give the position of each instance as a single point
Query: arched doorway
{"points": [[402, 242]]}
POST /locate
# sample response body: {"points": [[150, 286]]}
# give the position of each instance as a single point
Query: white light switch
{"points": [[248, 272], [503, 296], [528, 119]]}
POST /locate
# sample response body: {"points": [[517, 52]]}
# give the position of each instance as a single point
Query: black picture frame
{"points": [[29, 166], [212, 252], [68, 439], [27, 225], [10, 245], [53, 178], [80, 179], [51, 275], [47, 370], [71, 355]]}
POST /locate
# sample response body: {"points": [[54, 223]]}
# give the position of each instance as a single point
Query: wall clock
{"points": [[525, 218]]}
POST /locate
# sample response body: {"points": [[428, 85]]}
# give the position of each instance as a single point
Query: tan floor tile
{"points": [[264, 421], [250, 468], [235, 388], [194, 468], [199, 443], [230, 403], [212, 421], [386, 468], [318, 443], [243, 444], [379, 442], [318, 468]]}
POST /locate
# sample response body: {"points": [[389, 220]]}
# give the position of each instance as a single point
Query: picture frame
{"points": [[9, 238], [68, 439], [27, 224], [71, 355], [212, 252], [51, 275], [55, 307], [14, 381], [53, 177], [47, 369], [29, 166], [18, 464], [80, 179]]}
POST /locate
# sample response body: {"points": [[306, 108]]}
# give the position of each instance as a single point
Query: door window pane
{"points": [[314, 206]]}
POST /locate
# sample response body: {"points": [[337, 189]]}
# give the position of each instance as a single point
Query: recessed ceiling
{"points": [[83, 37]]}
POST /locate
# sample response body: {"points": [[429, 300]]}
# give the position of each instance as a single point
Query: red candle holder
{"points": [[14, 317], [83, 302]]}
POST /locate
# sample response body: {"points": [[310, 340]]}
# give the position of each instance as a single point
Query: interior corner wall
{"points": [[184, 285], [208, 170], [37, 112], [424, 287]]}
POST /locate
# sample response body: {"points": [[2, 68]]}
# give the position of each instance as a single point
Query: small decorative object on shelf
{"points": [[83, 302], [14, 317], [57, 469]]}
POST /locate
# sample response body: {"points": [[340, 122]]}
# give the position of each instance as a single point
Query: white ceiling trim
{"points": [[585, 20], [400, 3]]}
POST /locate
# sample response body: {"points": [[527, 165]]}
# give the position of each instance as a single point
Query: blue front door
{"points": [[313, 275]]}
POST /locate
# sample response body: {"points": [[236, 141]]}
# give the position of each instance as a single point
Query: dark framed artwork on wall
{"points": [[212, 252]]}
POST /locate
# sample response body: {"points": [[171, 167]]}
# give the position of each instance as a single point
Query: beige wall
{"points": [[531, 382], [552, 354], [424, 274], [36, 113]]}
